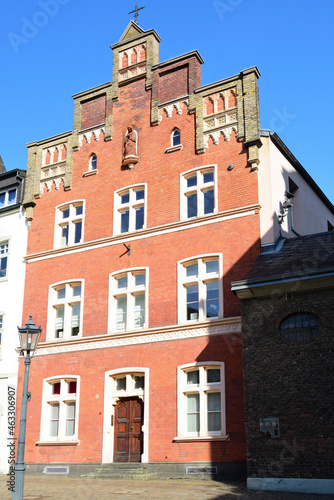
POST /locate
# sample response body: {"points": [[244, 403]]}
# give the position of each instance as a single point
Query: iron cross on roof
{"points": [[136, 12]]}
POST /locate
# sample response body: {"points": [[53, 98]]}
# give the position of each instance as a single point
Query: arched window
{"points": [[176, 137], [300, 327], [93, 162]]}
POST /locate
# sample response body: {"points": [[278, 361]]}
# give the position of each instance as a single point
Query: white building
{"points": [[291, 202], [13, 246]]}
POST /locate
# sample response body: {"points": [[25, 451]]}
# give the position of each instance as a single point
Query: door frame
{"points": [[111, 398]]}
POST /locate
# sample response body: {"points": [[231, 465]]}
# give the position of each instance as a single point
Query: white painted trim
{"points": [[163, 334], [57, 229], [299, 485], [109, 411], [44, 437], [50, 335], [181, 291], [202, 388], [148, 233], [199, 188], [132, 204], [112, 302]]}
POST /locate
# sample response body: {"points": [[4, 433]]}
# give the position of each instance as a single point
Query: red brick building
{"points": [[140, 219]]}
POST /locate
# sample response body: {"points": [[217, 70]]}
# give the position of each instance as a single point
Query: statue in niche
{"points": [[130, 148]]}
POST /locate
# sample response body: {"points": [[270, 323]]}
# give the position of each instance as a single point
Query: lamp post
{"points": [[29, 336]]}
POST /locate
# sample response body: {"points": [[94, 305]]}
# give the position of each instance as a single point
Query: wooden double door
{"points": [[128, 433]]}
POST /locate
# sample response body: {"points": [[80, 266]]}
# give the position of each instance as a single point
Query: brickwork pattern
{"points": [[291, 382]]}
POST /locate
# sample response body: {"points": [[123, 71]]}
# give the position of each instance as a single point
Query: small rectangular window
{"points": [[193, 377], [213, 375], [192, 181], [139, 381], [121, 384]]}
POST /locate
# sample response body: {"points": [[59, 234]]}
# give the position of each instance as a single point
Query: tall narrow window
{"points": [[69, 224], [200, 289], [3, 259], [201, 400], [198, 193], [128, 300], [93, 162], [65, 315], [176, 137], [130, 209], [60, 410]]}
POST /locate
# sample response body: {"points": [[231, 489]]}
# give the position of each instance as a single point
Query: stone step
{"points": [[122, 470]]}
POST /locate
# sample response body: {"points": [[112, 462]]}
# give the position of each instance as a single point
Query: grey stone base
{"points": [[322, 486], [233, 471]]}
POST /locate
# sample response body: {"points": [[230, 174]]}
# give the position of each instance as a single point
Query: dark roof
{"points": [[305, 255]]}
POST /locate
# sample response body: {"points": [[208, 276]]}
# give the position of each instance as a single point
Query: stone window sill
{"points": [[57, 443], [91, 172], [174, 148], [201, 438]]}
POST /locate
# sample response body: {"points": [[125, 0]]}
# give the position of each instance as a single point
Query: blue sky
{"points": [[52, 49]]}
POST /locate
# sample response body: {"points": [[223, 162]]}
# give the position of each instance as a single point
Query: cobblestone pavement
{"points": [[69, 488]]}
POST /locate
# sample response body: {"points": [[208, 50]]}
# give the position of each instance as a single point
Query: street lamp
{"points": [[29, 336]]}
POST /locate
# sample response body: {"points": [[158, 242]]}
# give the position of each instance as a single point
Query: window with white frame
{"points": [[128, 298], [176, 137], [198, 192], [69, 224], [200, 289], [93, 162], [201, 400], [3, 259], [60, 409], [130, 209], [128, 383], [7, 198], [65, 310]]}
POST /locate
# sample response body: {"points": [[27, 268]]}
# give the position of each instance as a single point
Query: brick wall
{"points": [[291, 382], [93, 112], [162, 359]]}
